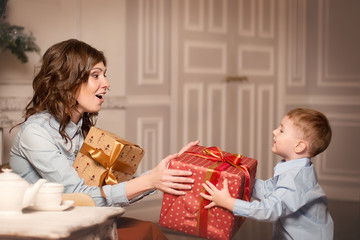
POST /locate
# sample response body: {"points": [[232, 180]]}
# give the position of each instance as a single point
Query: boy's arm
{"points": [[222, 198], [269, 209], [282, 201], [262, 188]]}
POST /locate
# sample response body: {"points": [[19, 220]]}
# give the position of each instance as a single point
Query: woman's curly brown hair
{"points": [[65, 66]]}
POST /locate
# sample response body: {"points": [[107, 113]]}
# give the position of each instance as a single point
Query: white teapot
{"points": [[16, 192]]}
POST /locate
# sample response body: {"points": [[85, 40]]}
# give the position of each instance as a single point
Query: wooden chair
{"points": [[4, 166], [80, 199]]}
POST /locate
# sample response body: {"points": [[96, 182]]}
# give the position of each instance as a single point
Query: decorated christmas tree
{"points": [[14, 38]]}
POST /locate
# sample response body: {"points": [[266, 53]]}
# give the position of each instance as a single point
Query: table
{"points": [[74, 223]]}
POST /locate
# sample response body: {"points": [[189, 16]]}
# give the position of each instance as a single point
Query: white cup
{"points": [[49, 195]]}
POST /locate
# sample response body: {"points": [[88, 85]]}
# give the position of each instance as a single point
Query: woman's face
{"points": [[91, 92]]}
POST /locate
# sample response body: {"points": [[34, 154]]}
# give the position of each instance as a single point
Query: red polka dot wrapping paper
{"points": [[181, 213]]}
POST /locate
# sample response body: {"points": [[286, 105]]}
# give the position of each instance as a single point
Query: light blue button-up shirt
{"points": [[293, 201], [39, 151]]}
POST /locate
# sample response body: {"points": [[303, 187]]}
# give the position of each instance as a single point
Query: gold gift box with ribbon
{"points": [[106, 159]]}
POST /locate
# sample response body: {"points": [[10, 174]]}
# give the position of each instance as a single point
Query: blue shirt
{"points": [[293, 201], [39, 151]]}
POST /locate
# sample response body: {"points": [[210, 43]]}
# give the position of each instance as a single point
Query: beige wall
{"points": [[99, 23], [306, 54]]}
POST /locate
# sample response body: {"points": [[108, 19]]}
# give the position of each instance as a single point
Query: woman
{"points": [[68, 93]]}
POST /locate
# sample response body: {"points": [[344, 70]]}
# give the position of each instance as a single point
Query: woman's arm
{"points": [[36, 154], [167, 180], [40, 149]]}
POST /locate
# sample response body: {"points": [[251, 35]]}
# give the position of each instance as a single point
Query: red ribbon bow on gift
{"points": [[217, 155]]}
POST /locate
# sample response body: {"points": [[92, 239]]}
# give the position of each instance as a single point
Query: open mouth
{"points": [[99, 96]]}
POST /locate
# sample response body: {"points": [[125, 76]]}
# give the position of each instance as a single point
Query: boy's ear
{"points": [[300, 147]]}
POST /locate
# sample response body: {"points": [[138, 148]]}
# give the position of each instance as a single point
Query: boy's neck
{"points": [[297, 156]]}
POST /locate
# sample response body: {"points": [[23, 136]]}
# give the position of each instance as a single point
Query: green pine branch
{"points": [[14, 38]]}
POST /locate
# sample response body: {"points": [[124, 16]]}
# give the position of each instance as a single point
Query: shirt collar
{"points": [[283, 166], [71, 129]]}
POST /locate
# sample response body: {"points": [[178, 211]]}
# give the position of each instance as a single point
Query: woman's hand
{"points": [[187, 146], [221, 198], [171, 180]]}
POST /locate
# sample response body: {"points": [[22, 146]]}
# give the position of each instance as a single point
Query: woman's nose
{"points": [[106, 84]]}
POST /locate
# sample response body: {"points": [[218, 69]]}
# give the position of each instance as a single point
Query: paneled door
{"points": [[324, 73], [147, 113], [225, 57]]}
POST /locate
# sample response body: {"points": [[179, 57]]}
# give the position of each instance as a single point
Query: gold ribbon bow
{"points": [[108, 162]]}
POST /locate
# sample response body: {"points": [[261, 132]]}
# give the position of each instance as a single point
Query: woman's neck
{"points": [[75, 116]]}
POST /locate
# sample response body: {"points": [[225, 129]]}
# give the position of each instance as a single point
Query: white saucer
{"points": [[64, 205]]}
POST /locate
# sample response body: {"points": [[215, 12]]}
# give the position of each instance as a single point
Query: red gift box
{"points": [[187, 213]]}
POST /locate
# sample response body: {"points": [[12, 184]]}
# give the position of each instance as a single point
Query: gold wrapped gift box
{"points": [[105, 158]]}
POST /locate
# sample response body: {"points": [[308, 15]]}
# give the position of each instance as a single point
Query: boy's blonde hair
{"points": [[315, 128]]}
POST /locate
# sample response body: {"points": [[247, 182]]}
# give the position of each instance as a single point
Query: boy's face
{"points": [[286, 138]]}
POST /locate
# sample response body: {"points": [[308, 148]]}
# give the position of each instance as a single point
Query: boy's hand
{"points": [[221, 198]]}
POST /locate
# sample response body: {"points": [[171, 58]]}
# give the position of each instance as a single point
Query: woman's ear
{"points": [[300, 147]]}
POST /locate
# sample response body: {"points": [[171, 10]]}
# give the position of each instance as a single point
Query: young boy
{"points": [[292, 200]]}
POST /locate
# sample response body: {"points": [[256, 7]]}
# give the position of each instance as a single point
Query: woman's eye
{"points": [[95, 75], [105, 75]]}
